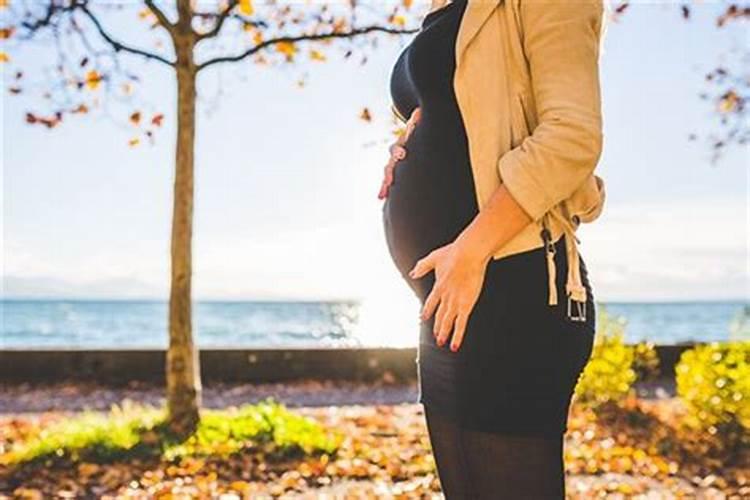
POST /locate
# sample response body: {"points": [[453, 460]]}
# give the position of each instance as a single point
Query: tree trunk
{"points": [[183, 369]]}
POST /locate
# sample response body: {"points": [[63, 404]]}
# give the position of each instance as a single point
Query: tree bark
{"points": [[183, 368]]}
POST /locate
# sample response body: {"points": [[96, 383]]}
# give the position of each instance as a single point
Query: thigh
{"points": [[504, 466], [445, 439]]}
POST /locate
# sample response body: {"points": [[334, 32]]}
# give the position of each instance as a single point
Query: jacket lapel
{"points": [[477, 12]]}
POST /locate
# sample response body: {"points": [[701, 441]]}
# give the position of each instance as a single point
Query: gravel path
{"points": [[29, 398], [33, 398]]}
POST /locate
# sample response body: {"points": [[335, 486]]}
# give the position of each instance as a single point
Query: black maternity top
{"points": [[520, 358]]}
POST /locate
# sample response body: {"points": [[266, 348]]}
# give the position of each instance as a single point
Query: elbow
{"points": [[574, 138], [587, 161], [587, 140], [551, 164], [595, 151], [578, 154], [589, 146]]}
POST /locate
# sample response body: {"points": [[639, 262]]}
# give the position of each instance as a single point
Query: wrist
{"points": [[471, 247]]}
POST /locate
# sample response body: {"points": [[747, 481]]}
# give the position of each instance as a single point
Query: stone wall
{"points": [[117, 366]]}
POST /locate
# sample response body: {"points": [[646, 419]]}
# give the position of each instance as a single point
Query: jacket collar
{"points": [[477, 12]]}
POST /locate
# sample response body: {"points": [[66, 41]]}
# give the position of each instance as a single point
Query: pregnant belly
{"points": [[430, 200]]}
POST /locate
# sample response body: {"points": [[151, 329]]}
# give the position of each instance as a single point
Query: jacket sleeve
{"points": [[561, 42]]}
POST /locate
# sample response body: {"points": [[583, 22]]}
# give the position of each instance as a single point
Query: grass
{"points": [[134, 431]]}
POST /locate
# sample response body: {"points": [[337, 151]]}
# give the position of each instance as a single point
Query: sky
{"points": [[287, 178]]}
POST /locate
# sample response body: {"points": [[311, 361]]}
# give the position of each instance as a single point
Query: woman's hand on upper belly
{"points": [[398, 152], [459, 277]]}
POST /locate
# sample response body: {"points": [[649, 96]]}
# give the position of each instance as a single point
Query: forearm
{"points": [[497, 223]]}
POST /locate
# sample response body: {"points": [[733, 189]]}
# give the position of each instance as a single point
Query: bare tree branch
{"points": [[46, 21], [221, 17], [244, 19], [160, 16], [119, 46], [300, 38]]}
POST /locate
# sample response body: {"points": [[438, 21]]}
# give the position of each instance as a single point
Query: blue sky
{"points": [[286, 181]]}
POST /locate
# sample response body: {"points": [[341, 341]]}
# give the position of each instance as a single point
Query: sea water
{"points": [[136, 324]]}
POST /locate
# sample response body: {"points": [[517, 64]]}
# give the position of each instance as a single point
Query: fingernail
{"points": [[454, 347]]}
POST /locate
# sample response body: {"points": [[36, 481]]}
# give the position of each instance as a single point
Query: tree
{"points": [[270, 33], [276, 28]]}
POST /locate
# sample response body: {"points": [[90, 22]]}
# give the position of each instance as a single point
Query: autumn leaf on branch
{"points": [[92, 80], [278, 33]]}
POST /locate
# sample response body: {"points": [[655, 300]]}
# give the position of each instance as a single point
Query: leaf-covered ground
{"points": [[636, 450]]}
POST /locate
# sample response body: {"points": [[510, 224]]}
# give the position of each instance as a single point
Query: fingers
{"points": [[383, 190], [423, 265], [412, 123], [415, 115], [450, 319], [444, 319], [388, 171], [460, 330], [387, 177], [397, 151], [431, 303]]}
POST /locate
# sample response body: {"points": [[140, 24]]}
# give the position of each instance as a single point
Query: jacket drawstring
{"points": [[574, 288], [550, 250]]}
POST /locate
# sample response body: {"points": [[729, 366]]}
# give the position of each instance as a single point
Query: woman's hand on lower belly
{"points": [[398, 152], [459, 277]]}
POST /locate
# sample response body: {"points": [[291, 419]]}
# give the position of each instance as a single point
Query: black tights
{"points": [[475, 464]]}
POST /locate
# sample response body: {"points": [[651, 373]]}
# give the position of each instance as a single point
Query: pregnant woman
{"points": [[499, 355]]}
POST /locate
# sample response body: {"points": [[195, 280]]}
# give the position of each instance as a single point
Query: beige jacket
{"points": [[527, 86]]}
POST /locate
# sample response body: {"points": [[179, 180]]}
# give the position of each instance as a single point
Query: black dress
{"points": [[520, 358]]}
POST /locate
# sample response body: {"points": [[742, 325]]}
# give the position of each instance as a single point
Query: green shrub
{"points": [[135, 431], [609, 374], [713, 380], [90, 435]]}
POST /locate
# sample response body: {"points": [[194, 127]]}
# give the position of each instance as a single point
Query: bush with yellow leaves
{"points": [[609, 375], [713, 380]]}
